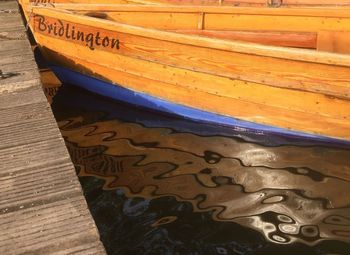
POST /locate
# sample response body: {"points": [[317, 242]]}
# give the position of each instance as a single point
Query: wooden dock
{"points": [[42, 207]]}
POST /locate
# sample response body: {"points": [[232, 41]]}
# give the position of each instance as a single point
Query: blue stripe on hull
{"points": [[146, 101]]}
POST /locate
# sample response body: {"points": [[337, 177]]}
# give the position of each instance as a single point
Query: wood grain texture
{"points": [[298, 93], [199, 54], [8, 7], [294, 27], [209, 83], [17, 65], [286, 39], [246, 48], [297, 12], [188, 23], [250, 102], [42, 208], [269, 26], [260, 3], [219, 18], [334, 41]]}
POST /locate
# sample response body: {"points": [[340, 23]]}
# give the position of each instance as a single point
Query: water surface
{"points": [[160, 185]]}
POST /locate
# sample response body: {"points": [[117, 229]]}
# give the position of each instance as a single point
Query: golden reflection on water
{"points": [[287, 193], [50, 83]]}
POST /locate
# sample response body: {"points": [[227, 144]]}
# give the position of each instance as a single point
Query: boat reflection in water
{"points": [[176, 187]]}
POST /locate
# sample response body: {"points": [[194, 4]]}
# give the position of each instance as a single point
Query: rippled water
{"points": [[160, 185]]}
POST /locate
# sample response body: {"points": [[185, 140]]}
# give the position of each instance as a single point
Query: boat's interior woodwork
{"points": [[270, 3], [265, 3], [291, 27], [334, 41], [256, 49], [288, 39]]}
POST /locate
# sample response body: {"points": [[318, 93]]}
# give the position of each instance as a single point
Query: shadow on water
{"points": [[161, 185]]}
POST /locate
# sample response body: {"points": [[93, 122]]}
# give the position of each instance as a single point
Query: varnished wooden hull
{"points": [[295, 92], [146, 101]]}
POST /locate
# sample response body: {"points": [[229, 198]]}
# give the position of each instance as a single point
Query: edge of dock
{"points": [[42, 206]]}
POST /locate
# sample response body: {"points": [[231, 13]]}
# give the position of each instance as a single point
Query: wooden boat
{"points": [[250, 86]]}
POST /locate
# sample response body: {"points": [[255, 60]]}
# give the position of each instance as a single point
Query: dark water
{"points": [[160, 185]]}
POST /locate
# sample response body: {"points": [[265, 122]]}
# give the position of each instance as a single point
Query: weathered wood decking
{"points": [[42, 208]]}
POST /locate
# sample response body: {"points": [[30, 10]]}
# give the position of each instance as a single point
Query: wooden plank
{"points": [[9, 47], [276, 23], [16, 59], [334, 41], [34, 231], [225, 21], [287, 39], [42, 207], [14, 29], [291, 2], [29, 128], [15, 115], [156, 20], [15, 98], [18, 69], [18, 64], [259, 3], [226, 3], [15, 80], [42, 184], [218, 18], [301, 12], [8, 7], [12, 34], [10, 22]]}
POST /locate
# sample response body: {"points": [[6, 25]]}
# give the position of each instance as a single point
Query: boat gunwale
{"points": [[334, 12]]}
